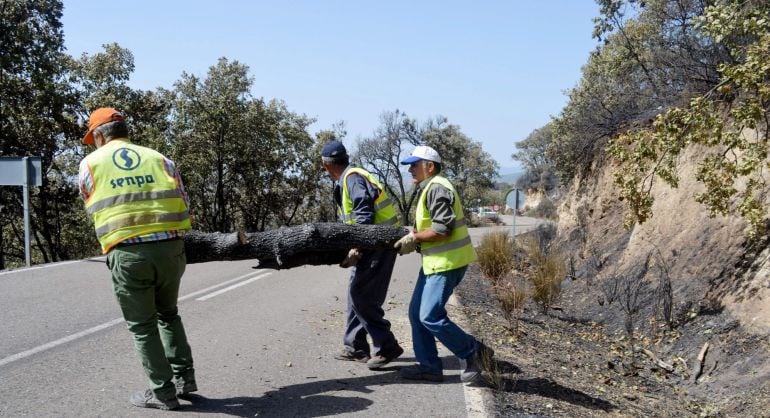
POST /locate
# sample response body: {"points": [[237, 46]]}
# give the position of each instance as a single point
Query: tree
{"points": [[471, 169], [381, 155], [246, 163], [208, 128], [37, 118], [537, 163], [730, 121], [465, 163], [326, 207], [277, 169], [649, 62]]}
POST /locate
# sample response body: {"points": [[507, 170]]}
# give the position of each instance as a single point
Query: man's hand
{"points": [[407, 244], [352, 258]]}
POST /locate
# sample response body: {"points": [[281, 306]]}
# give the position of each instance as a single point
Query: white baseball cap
{"points": [[422, 152]]}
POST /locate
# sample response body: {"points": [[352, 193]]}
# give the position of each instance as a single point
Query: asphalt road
{"points": [[262, 340]]}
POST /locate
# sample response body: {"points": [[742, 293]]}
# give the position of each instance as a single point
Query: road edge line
{"points": [[476, 398]]}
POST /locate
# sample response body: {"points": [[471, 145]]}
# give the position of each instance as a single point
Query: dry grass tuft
{"points": [[511, 300], [496, 255], [549, 268]]}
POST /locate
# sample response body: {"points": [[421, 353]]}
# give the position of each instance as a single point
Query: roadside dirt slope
{"points": [[579, 361]]}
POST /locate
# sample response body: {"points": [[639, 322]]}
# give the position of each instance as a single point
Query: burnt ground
{"points": [[575, 362]]}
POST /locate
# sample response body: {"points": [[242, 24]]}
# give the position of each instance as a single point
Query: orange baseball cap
{"points": [[98, 118]]}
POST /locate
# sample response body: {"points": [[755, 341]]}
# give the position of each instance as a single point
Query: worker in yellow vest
{"points": [[441, 233], [140, 211], [360, 199]]}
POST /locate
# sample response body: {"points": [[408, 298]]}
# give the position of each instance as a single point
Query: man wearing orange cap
{"points": [[140, 210]]}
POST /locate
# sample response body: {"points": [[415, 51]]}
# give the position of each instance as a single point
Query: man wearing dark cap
{"points": [[360, 199], [140, 211]]}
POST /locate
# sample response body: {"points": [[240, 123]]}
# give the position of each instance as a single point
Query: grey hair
{"points": [[112, 130]]}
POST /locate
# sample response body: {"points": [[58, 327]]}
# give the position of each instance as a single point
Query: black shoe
{"points": [[348, 355], [185, 387], [147, 399], [382, 359], [473, 365], [416, 373]]}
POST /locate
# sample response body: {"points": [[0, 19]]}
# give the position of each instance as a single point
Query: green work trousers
{"points": [[145, 279]]}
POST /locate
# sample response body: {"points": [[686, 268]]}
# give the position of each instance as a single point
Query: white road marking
{"points": [[235, 286], [45, 266], [475, 397], [73, 337], [60, 341], [210, 288]]}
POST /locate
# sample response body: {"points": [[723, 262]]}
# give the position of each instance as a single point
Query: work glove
{"points": [[407, 244], [352, 258]]}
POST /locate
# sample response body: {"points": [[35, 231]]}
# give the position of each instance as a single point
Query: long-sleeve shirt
{"points": [[362, 193], [86, 185], [439, 203]]}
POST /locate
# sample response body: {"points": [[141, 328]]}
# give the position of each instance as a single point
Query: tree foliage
{"points": [[532, 153], [37, 108], [730, 120], [464, 161], [381, 155], [247, 163], [653, 57], [471, 169]]}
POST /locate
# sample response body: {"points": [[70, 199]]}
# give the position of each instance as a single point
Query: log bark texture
{"points": [[283, 248]]}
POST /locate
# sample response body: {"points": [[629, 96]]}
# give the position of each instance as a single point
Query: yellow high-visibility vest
{"points": [[384, 207], [133, 194], [450, 254]]}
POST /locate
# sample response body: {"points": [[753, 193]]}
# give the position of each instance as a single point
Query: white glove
{"points": [[407, 244], [352, 258]]}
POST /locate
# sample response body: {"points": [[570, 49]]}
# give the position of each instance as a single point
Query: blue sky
{"points": [[498, 69]]}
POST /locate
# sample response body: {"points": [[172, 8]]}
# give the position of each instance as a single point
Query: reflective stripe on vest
{"points": [[384, 209], [450, 254], [132, 197], [133, 194], [447, 246], [140, 219]]}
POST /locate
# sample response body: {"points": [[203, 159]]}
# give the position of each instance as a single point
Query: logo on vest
{"points": [[126, 159], [131, 181]]}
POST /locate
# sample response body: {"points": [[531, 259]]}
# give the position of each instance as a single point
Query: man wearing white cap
{"points": [[442, 237]]}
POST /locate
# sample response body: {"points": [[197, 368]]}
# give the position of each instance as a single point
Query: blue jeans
{"points": [[428, 316]]}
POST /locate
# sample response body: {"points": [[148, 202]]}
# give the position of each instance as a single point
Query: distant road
{"points": [[523, 224]]}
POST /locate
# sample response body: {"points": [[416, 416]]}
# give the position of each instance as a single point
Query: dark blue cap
{"points": [[334, 149]]}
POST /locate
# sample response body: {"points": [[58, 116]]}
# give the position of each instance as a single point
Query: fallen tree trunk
{"points": [[283, 248]]}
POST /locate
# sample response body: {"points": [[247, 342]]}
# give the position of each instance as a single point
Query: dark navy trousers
{"points": [[369, 281]]}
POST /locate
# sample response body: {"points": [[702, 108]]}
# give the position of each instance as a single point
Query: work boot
{"points": [[147, 399], [417, 373], [348, 355], [382, 359], [473, 365]]}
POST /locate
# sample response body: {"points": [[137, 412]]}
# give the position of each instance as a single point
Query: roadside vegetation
{"points": [[531, 267]]}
